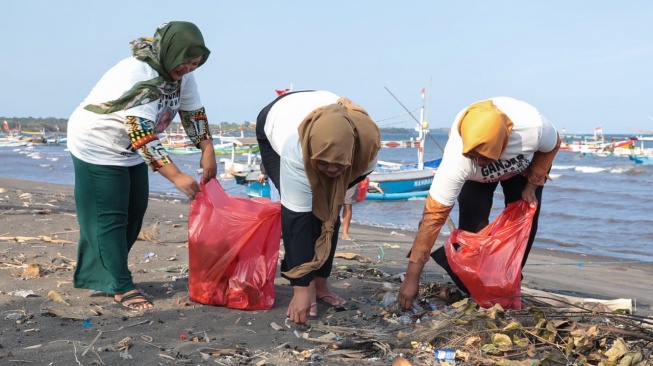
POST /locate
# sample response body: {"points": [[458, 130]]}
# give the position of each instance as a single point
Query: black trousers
{"points": [[474, 206]]}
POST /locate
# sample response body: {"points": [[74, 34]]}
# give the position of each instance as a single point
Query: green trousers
{"points": [[111, 202]]}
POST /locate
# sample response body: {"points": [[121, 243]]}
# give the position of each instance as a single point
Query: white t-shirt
{"points": [[281, 125], [102, 139], [531, 132]]}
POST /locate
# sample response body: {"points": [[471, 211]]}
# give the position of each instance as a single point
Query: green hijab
{"points": [[173, 44]]}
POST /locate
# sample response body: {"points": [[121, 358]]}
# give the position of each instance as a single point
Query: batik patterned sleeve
{"points": [[146, 143], [196, 125]]}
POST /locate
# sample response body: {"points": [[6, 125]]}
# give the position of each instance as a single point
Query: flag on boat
{"points": [[423, 92], [282, 91], [598, 130]]}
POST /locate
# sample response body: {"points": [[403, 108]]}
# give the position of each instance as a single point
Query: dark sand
{"points": [[38, 330]]}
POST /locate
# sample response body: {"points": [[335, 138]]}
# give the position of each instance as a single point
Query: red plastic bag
{"points": [[233, 248], [489, 262], [362, 189]]}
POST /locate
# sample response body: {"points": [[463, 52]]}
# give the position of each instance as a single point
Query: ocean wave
{"points": [[589, 169], [591, 194], [563, 189], [562, 167], [385, 225]]}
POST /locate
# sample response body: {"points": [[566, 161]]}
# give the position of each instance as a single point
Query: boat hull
{"points": [[402, 181], [228, 150], [256, 189], [395, 196], [644, 160]]}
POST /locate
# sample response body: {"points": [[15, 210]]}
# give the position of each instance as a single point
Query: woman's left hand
{"points": [[207, 161], [528, 194]]}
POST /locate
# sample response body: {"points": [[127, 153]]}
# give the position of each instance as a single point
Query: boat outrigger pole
{"points": [[416, 120]]}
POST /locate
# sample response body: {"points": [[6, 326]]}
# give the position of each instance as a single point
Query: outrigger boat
{"points": [[391, 181]]}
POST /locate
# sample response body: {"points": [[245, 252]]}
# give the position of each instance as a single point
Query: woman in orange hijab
{"points": [[496, 141], [314, 145]]}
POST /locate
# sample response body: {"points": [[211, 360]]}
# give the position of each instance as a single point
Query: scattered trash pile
{"points": [[435, 333]]}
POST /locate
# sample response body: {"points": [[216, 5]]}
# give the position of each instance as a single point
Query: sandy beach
{"points": [[45, 321]]}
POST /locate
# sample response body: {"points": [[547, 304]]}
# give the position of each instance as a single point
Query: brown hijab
{"points": [[485, 129], [341, 133]]}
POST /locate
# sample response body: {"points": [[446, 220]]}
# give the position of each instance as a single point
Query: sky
{"points": [[582, 63]]}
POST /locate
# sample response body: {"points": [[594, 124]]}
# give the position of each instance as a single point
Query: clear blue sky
{"points": [[582, 63]]}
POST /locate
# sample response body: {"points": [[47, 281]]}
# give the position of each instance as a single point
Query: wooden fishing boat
{"points": [[391, 181]]}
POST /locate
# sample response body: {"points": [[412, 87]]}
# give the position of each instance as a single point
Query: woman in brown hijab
{"points": [[314, 145]]}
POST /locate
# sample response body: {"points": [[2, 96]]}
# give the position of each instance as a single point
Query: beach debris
{"points": [[54, 296], [389, 299], [446, 355], [33, 270], [353, 256], [150, 234], [276, 326], [393, 246], [181, 268], [239, 355], [400, 361], [14, 316], [23, 293], [25, 196], [125, 343], [63, 314], [623, 305], [44, 238]]}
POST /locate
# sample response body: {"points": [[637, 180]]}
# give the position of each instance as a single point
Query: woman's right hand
{"points": [[300, 305], [410, 286], [187, 185], [408, 292], [183, 182]]}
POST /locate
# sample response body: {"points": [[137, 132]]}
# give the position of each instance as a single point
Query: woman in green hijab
{"points": [[112, 137]]}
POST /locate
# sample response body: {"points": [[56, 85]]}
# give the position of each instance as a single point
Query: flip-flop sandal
{"points": [[136, 305], [449, 294], [313, 312], [335, 299]]}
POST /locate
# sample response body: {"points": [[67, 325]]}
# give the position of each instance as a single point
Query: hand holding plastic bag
{"points": [[489, 262], [233, 248]]}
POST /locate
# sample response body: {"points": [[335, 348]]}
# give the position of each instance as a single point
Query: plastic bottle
{"points": [[389, 299]]}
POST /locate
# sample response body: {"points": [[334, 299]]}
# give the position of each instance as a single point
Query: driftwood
{"points": [[584, 303], [43, 238]]}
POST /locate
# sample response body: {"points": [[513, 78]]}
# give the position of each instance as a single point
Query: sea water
{"points": [[594, 205]]}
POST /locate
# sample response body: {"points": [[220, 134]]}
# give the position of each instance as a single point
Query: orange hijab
{"points": [[341, 133], [485, 129]]}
